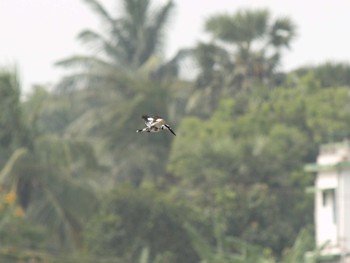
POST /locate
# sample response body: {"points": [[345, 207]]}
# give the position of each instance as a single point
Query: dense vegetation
{"points": [[77, 184]]}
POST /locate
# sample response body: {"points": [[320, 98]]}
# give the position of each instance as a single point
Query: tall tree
{"points": [[257, 38], [245, 50], [12, 128], [128, 46], [128, 43], [45, 177]]}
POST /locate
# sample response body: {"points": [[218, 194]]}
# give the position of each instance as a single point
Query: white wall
{"points": [[326, 214], [332, 199], [344, 209]]}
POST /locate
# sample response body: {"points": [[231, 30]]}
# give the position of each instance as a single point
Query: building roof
{"points": [[332, 157], [314, 167]]}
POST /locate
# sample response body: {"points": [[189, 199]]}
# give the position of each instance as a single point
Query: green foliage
{"points": [[47, 112], [19, 239], [12, 130], [256, 152], [50, 194], [40, 171], [329, 74], [15, 231], [242, 27], [228, 250], [132, 220], [302, 245]]}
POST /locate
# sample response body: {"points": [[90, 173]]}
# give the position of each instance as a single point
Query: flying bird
{"points": [[155, 124]]}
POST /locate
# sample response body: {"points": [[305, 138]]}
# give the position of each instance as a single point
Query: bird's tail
{"points": [[168, 127]]}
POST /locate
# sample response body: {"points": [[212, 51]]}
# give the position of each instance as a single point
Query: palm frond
{"points": [[92, 37], [171, 68], [119, 34], [101, 44], [282, 32], [222, 27], [34, 106], [154, 32], [84, 61], [241, 28], [73, 81], [57, 198], [88, 80], [101, 11], [86, 124], [6, 170], [62, 204], [136, 11], [203, 248]]}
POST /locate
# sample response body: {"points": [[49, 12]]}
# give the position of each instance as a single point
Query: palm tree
{"points": [[255, 41], [245, 49], [241, 28], [49, 195], [127, 45], [13, 132], [43, 171], [215, 64]]}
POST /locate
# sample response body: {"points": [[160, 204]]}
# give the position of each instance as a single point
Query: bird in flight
{"points": [[155, 124]]}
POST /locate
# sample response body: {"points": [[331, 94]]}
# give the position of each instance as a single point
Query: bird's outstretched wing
{"points": [[148, 120], [145, 117]]}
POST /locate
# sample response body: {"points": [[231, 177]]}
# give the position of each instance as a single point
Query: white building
{"points": [[332, 202]]}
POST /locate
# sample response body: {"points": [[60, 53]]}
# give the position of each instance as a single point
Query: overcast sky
{"points": [[36, 33]]}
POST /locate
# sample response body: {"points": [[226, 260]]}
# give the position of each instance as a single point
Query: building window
{"points": [[329, 202]]}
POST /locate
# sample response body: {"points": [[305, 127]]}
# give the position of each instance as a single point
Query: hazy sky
{"points": [[36, 33]]}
